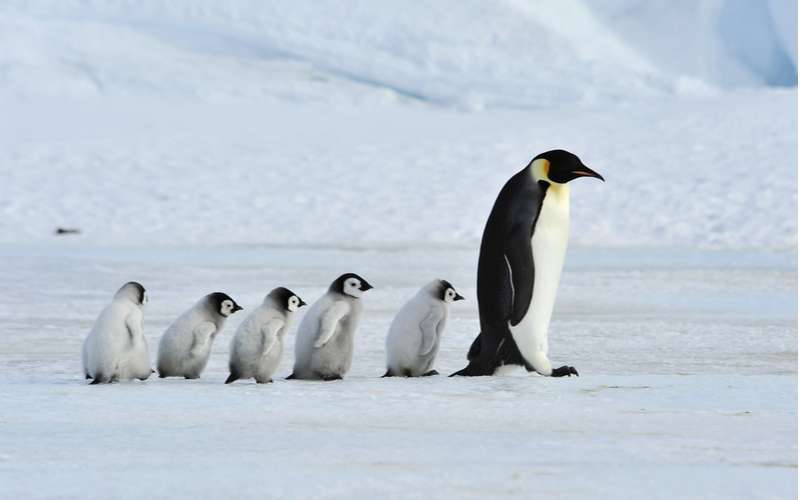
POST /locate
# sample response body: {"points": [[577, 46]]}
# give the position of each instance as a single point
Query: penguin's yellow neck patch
{"points": [[540, 169]]}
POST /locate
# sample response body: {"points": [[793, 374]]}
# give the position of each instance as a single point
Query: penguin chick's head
{"points": [[222, 304], [444, 291], [285, 298], [350, 284], [559, 166], [134, 292]]}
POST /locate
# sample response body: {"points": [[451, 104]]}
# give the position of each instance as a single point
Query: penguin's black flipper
{"points": [[519, 259]]}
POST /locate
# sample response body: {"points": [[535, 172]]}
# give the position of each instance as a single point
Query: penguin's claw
{"points": [[565, 371]]}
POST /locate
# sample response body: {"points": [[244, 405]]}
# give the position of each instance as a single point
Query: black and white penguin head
{"points": [[222, 304], [559, 167], [350, 284], [134, 292], [286, 299], [446, 292]]}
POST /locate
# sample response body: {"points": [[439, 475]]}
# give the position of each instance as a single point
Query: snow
{"points": [[153, 172], [239, 146], [688, 384]]}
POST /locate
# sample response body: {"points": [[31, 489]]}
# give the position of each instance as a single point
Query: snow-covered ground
{"points": [[688, 384], [238, 146]]}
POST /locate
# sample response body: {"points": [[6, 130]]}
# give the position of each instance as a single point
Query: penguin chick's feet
{"points": [[328, 378], [430, 373], [262, 381], [564, 371]]}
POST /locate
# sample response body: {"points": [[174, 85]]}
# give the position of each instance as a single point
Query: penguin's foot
{"points": [[430, 373], [329, 378], [564, 371], [387, 374], [262, 381], [473, 369]]}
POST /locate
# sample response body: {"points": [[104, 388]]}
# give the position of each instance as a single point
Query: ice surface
{"points": [[687, 388]]}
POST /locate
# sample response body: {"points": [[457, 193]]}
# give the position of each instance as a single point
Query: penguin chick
{"points": [[186, 345], [257, 347], [413, 340], [115, 348], [324, 343]]}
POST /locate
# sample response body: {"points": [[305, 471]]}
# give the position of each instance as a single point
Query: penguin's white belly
{"points": [[549, 245]]}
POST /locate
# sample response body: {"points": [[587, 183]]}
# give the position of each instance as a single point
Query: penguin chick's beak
{"points": [[585, 171], [365, 286], [302, 302], [458, 297], [237, 307]]}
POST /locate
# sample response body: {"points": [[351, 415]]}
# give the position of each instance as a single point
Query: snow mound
{"points": [[468, 54]]}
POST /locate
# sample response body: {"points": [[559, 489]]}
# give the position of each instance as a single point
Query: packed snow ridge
{"points": [[468, 54]]}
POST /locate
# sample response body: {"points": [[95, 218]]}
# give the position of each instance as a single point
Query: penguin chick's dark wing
{"points": [[519, 260]]}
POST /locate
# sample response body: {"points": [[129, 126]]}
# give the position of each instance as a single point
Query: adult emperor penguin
{"points": [[257, 347], [413, 340], [186, 345], [521, 256], [115, 348], [323, 349]]}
